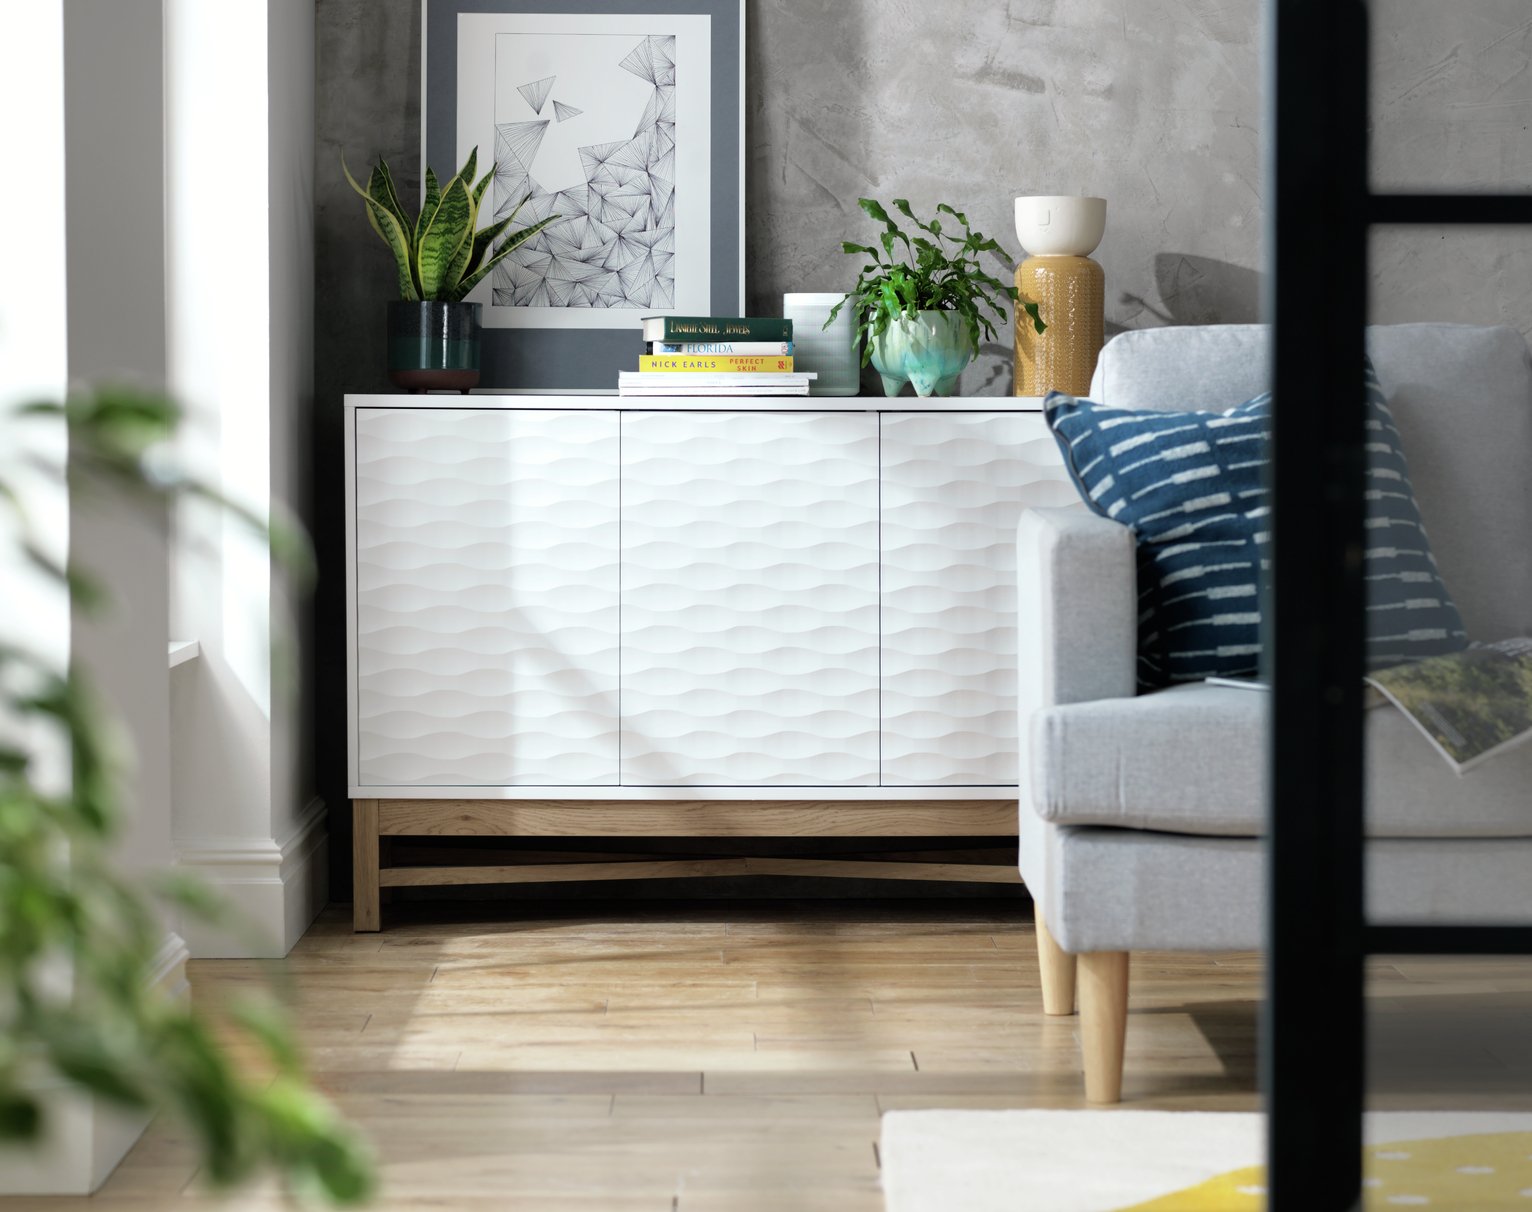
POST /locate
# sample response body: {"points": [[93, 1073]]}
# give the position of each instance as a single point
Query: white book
{"points": [[720, 379], [750, 349], [684, 378], [785, 390]]}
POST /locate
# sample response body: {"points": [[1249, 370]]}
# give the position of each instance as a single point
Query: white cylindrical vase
{"points": [[832, 352]]}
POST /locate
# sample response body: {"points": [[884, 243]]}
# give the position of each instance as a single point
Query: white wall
{"points": [[290, 191], [115, 280], [170, 279], [34, 353], [89, 147], [240, 75]]}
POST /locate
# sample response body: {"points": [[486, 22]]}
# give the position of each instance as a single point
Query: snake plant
{"points": [[439, 256]]}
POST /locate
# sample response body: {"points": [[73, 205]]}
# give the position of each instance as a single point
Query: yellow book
{"points": [[716, 363]]}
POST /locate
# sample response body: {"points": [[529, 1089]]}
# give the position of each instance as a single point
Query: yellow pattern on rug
{"points": [[1490, 1171]]}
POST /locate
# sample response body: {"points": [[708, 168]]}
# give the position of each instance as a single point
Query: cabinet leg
{"points": [[365, 909]]}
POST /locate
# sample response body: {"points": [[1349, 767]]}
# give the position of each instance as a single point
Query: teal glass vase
{"points": [[927, 350]]}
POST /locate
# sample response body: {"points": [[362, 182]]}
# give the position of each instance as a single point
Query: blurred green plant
{"points": [[77, 937], [439, 256]]}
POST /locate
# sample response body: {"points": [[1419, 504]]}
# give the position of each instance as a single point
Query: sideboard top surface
{"points": [[609, 402]]}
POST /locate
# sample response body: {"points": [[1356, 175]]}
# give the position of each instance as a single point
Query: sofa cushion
{"points": [[1114, 890], [1192, 759], [1461, 396], [1191, 486]]}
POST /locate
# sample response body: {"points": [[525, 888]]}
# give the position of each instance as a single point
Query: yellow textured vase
{"points": [[1071, 294]]}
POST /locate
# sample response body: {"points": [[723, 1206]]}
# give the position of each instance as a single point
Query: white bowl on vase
{"points": [[1060, 225]]}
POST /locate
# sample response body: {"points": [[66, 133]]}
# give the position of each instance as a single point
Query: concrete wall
{"points": [[1452, 108], [366, 105], [1153, 104]]}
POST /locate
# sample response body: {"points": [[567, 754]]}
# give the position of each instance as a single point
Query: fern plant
{"points": [[439, 255], [66, 907], [939, 270]]}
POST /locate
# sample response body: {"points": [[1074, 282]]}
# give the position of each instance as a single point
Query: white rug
{"points": [[1109, 1161]]}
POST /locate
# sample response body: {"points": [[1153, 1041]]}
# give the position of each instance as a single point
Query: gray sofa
{"points": [[1140, 828]]}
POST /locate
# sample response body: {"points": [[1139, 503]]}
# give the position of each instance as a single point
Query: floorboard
{"points": [[729, 1058]]}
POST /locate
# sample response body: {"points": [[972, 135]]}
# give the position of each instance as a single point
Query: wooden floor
{"points": [[728, 1057]]}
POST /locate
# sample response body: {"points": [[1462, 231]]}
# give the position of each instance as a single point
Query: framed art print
{"points": [[626, 119]]}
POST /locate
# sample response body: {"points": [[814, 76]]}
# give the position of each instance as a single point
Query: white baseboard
{"points": [[81, 1146], [275, 887], [85, 1138], [167, 971]]}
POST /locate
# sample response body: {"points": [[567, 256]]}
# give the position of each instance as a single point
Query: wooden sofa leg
{"points": [[1103, 1022], [365, 912], [1058, 972]]}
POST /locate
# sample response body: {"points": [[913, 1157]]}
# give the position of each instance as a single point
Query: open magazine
{"points": [[1469, 704]]}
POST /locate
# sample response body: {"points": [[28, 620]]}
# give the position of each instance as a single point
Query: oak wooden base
{"points": [[1057, 968], [377, 821], [365, 909], [697, 818], [1103, 1022]]}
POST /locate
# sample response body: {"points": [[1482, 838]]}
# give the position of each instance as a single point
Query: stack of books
{"points": [[715, 356]]}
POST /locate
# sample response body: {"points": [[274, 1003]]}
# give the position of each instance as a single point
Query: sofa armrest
{"points": [[1077, 609], [1076, 641]]}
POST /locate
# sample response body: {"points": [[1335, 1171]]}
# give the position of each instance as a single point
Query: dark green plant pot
{"points": [[433, 346]]}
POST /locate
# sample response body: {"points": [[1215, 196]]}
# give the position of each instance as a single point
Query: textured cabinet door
{"points": [[954, 486], [486, 597], [750, 599]]}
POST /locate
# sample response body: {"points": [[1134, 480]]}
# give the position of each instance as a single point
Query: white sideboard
{"points": [[557, 597]]}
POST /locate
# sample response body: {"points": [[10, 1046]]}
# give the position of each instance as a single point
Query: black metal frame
{"points": [[1312, 1056]]}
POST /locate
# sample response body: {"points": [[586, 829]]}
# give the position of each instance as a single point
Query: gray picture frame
{"points": [[587, 360]]}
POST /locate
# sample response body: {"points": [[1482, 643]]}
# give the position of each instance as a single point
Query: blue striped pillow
{"points": [[1191, 485]]}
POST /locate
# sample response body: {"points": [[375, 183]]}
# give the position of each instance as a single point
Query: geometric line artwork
{"points": [[614, 244], [517, 142], [537, 92], [653, 61]]}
